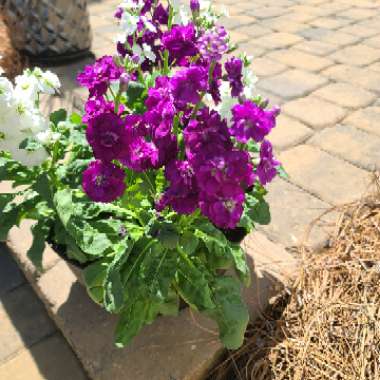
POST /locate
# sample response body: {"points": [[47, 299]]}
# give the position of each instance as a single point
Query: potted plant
{"points": [[49, 32], [151, 190]]}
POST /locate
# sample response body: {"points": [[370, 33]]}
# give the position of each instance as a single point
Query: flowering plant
{"points": [[152, 189]]}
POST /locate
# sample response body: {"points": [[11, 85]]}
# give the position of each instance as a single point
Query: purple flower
{"points": [[213, 44], [107, 136], [234, 68], [226, 208], [166, 142], [182, 194], [267, 168], [229, 167], [161, 15], [195, 6], [251, 121], [98, 76], [186, 85], [180, 42], [160, 103], [119, 13], [97, 106], [215, 82], [142, 155], [103, 182], [206, 136]]}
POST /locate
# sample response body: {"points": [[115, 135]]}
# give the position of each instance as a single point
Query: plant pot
{"points": [[49, 31]]}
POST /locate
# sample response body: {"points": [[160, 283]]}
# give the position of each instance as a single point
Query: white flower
{"points": [[249, 81], [6, 94], [48, 137], [128, 23], [144, 52], [49, 83], [181, 12], [27, 87], [129, 5], [148, 24], [227, 101]]}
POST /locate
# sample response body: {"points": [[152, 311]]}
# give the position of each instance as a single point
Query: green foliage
{"points": [[138, 263]]}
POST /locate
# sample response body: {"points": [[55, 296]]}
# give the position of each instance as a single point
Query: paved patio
{"points": [[318, 59]]}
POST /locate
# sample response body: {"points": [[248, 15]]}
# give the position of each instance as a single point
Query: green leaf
{"points": [[42, 187], [76, 118], [40, 233], [188, 242], [135, 92], [11, 170], [114, 288], [12, 214], [230, 313], [168, 236], [192, 284], [57, 116], [95, 274], [30, 144], [240, 263], [219, 256], [132, 320], [261, 213], [282, 172], [64, 205]]}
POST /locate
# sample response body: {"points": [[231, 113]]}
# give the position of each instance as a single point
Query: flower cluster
{"points": [[196, 119], [20, 117]]}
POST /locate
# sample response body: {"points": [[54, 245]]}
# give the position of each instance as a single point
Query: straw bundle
{"points": [[327, 326]]}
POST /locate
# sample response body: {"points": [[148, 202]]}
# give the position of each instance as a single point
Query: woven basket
{"points": [[48, 29]]}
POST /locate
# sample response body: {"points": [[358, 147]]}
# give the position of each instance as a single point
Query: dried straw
{"points": [[12, 62], [327, 326]]}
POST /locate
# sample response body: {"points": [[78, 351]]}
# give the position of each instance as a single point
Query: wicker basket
{"points": [[49, 30]]}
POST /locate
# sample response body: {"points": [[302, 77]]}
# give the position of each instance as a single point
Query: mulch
{"points": [[326, 326]]}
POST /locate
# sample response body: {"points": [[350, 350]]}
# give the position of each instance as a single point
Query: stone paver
{"points": [[324, 175], [10, 275], [374, 42], [346, 95], [315, 112], [292, 83], [292, 212], [316, 47], [289, 132], [51, 359], [367, 119], [278, 40], [337, 38], [300, 60], [23, 321], [363, 77], [263, 67], [352, 144], [359, 55]]}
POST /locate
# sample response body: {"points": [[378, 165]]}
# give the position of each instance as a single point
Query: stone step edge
{"points": [[174, 348]]}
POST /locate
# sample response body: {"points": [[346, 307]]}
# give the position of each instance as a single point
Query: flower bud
{"points": [[195, 6]]}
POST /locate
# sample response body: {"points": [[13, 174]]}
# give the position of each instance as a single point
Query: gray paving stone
{"points": [[352, 144], [366, 118], [10, 275], [23, 321], [51, 359], [293, 83], [293, 210], [328, 177]]}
